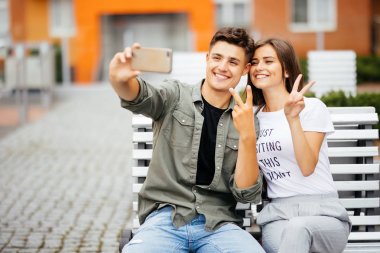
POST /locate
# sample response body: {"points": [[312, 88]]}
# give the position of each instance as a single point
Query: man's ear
{"points": [[247, 68]]}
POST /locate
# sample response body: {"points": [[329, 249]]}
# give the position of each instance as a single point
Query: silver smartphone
{"points": [[152, 59]]}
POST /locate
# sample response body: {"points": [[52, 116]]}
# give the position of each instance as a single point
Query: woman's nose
{"points": [[259, 66]]}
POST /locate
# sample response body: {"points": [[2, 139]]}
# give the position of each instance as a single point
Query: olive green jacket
{"points": [[177, 126]]}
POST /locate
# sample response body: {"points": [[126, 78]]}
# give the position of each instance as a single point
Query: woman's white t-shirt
{"points": [[276, 157]]}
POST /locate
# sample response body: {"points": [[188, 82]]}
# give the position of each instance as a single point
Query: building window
{"points": [[313, 15], [233, 13], [61, 18], [4, 19]]}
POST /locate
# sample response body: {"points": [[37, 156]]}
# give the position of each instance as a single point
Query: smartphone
{"points": [[152, 59]]}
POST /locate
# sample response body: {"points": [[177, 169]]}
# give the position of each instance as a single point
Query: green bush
{"points": [[368, 69], [338, 98], [58, 64], [303, 65]]}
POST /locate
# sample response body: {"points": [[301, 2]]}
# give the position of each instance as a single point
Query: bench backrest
{"points": [[351, 153]]}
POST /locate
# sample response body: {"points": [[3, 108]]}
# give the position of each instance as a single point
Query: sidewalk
{"points": [[64, 178]]}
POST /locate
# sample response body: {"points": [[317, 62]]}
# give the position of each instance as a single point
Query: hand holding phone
{"points": [[152, 59]]}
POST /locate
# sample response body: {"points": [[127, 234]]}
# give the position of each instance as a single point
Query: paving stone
{"points": [[64, 176]]}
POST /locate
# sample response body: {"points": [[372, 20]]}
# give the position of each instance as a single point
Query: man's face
{"points": [[226, 63]]}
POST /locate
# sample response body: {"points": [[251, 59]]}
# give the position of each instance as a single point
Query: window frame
{"points": [[4, 7], [228, 13], [66, 26], [312, 25]]}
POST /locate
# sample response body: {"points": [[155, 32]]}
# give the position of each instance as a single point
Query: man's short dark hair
{"points": [[235, 36]]}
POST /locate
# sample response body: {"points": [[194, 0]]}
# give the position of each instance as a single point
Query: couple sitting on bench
{"points": [[209, 145]]}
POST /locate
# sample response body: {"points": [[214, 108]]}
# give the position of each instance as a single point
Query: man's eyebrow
{"points": [[234, 59], [229, 58]]}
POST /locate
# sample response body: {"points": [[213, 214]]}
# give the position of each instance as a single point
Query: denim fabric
{"points": [[158, 234]]}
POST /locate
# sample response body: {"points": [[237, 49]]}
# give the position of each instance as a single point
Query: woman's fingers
{"points": [[236, 96], [249, 100], [297, 83], [307, 87]]}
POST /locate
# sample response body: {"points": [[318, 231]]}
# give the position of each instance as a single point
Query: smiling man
{"points": [[200, 167]]}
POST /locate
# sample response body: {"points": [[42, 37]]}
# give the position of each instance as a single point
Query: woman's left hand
{"points": [[242, 114], [295, 103]]}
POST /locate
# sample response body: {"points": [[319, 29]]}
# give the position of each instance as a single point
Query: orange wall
{"points": [[353, 26], [37, 20], [17, 19], [30, 20], [86, 45]]}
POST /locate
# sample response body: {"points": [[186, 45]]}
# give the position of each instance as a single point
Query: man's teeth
{"points": [[220, 76]]}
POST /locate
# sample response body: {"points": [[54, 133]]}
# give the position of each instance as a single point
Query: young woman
{"points": [[304, 213]]}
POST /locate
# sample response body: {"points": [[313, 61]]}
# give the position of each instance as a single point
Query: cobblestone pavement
{"points": [[65, 183]]}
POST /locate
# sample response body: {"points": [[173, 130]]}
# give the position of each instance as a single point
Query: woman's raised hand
{"points": [[295, 103], [242, 113]]}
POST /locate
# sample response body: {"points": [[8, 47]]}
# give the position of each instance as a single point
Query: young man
{"points": [[197, 173]]}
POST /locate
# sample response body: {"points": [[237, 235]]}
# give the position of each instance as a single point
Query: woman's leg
{"points": [[228, 238], [272, 234], [314, 234]]}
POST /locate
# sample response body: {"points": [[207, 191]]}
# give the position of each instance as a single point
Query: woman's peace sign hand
{"points": [[242, 113], [295, 103]]}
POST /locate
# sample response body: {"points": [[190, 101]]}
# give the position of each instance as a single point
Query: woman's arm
{"points": [[306, 146], [247, 168]]}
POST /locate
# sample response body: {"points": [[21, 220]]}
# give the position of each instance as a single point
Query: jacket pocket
{"points": [[180, 132]]}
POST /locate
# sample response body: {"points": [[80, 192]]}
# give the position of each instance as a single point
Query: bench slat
{"points": [[364, 236], [142, 137], [353, 151], [360, 247], [142, 154], [139, 171], [357, 134], [365, 220], [351, 109], [355, 168], [368, 185], [360, 202], [363, 119]]}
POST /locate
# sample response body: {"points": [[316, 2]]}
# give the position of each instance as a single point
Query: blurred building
{"points": [[94, 30]]}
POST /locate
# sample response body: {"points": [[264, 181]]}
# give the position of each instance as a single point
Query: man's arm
{"points": [[122, 76]]}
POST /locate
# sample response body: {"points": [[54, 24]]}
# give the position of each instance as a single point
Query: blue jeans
{"points": [[158, 234]]}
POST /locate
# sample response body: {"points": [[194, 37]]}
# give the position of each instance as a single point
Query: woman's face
{"points": [[266, 71]]}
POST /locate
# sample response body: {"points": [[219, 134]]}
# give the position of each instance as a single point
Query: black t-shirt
{"points": [[206, 155]]}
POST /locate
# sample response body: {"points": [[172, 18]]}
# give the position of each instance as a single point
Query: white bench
{"points": [[351, 152]]}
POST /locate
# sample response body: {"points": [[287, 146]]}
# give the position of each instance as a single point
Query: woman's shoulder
{"points": [[312, 102]]}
